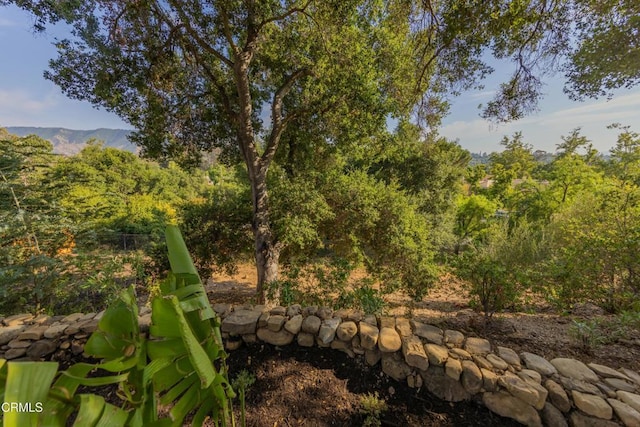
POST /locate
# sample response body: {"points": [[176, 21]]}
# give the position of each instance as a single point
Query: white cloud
{"points": [[19, 101], [484, 94]]}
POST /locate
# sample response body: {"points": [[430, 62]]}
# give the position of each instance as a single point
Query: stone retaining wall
{"points": [[525, 387]]}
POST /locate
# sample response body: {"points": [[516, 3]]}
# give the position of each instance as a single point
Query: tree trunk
{"points": [[267, 252]]}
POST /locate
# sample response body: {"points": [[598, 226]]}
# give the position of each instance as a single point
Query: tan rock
{"points": [[403, 327], [89, 326], [387, 322], [275, 322], [630, 399], [372, 357], [279, 338], [294, 324], [489, 380], [481, 362], [19, 344], [530, 374], [263, 320], [8, 333], [579, 419], [428, 332], [606, 372], [558, 395], [497, 362], [508, 355], [508, 406], [294, 310], [471, 377], [571, 384], [453, 369], [592, 405], [414, 353], [479, 346], [368, 335], [522, 390], [618, 384], [633, 375], [459, 353], [278, 311], [17, 319], [389, 341], [347, 330], [455, 338], [437, 354], [629, 416], [14, 353], [575, 369], [250, 338], [72, 318]]}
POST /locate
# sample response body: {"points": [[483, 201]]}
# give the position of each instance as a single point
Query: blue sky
{"points": [[27, 99]]}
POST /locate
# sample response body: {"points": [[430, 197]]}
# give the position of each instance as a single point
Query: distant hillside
{"points": [[68, 141]]}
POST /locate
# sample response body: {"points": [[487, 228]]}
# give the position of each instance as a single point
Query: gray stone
{"points": [[305, 339], [619, 384], [578, 419], [508, 355], [454, 338], [633, 375], [368, 336], [508, 406], [33, 333], [14, 353], [311, 324], [403, 327], [575, 369], [592, 405], [89, 326], [489, 380], [275, 322], [278, 311], [394, 366], [372, 357], [8, 333], [279, 338], [477, 346], [606, 390], [414, 353], [347, 330], [428, 332], [414, 381], [437, 354], [542, 392], [294, 310], [453, 369], [74, 317], [327, 331], [341, 345], [250, 338], [233, 344], [263, 320], [538, 364], [42, 319], [558, 395], [222, 309], [606, 372], [581, 386], [310, 311], [324, 313], [387, 322], [19, 344], [87, 316], [552, 417], [471, 377], [443, 386], [294, 324], [630, 399], [371, 319], [497, 362], [241, 322], [629, 416]]}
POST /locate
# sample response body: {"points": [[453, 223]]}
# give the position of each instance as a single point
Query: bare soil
{"points": [[301, 387]]}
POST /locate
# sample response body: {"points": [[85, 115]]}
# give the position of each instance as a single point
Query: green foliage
{"points": [[372, 407], [501, 267], [587, 334], [241, 383], [181, 365]]}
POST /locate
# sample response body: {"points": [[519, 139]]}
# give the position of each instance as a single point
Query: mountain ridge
{"points": [[71, 141]]}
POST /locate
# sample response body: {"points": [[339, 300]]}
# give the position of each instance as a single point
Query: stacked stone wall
{"points": [[525, 387]]}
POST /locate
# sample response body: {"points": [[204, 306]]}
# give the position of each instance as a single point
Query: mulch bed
{"points": [[322, 387]]}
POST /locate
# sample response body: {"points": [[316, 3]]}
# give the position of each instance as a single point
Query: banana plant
{"points": [[182, 365]]}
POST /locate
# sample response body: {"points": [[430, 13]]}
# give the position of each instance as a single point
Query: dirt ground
{"points": [[298, 387]]}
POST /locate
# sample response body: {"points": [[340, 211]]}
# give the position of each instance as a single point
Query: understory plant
{"points": [[372, 407], [180, 366]]}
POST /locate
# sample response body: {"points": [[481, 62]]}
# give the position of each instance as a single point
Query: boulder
{"points": [[311, 324], [428, 332], [306, 339], [368, 335], [508, 355], [592, 405], [471, 377], [497, 362], [579, 419], [575, 369], [414, 353], [275, 322], [389, 340], [437, 354], [403, 327], [241, 322], [394, 366], [618, 384], [347, 330], [538, 364], [454, 338], [443, 386], [294, 324], [453, 369], [278, 338], [607, 372], [508, 406], [327, 331], [551, 416], [630, 399], [629, 416], [479, 346], [557, 395]]}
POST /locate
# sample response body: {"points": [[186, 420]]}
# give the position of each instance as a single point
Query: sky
{"points": [[28, 99]]}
